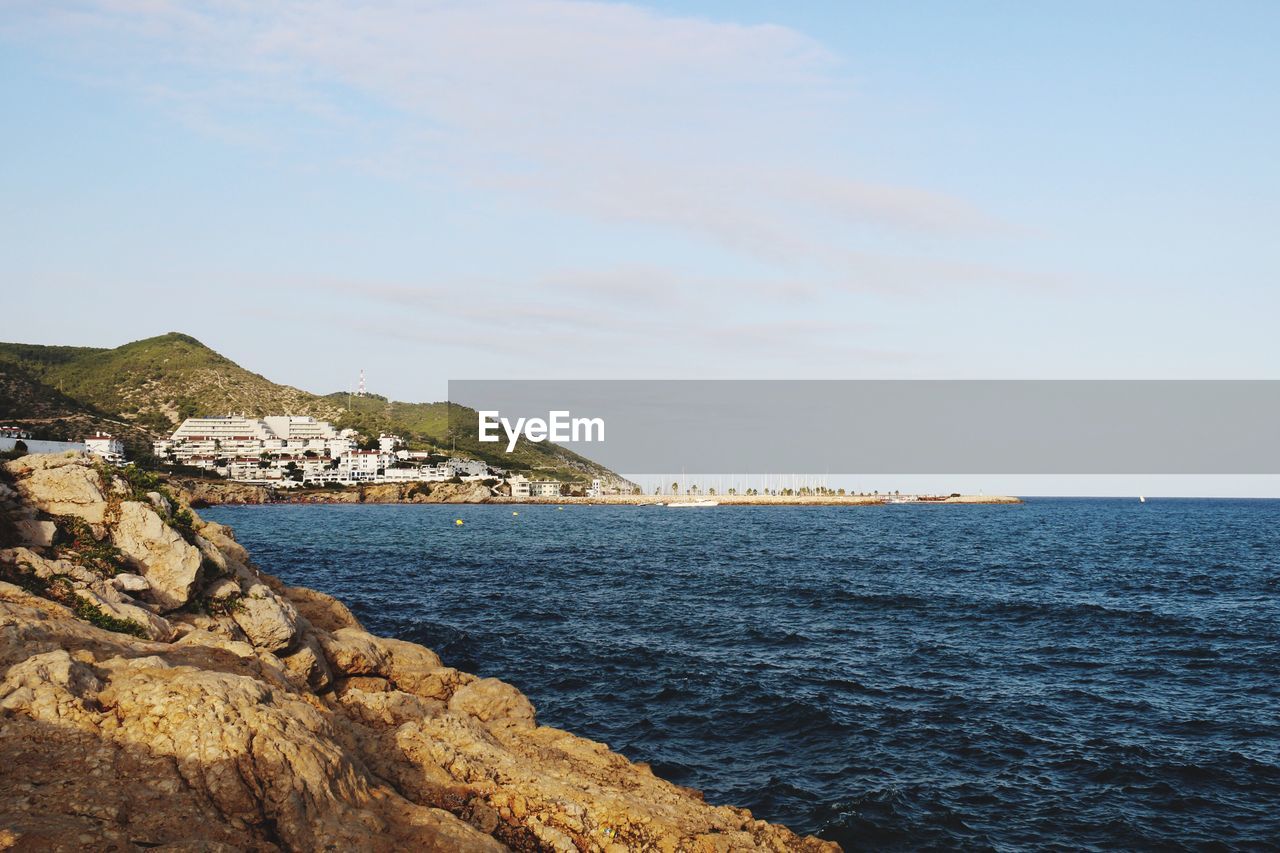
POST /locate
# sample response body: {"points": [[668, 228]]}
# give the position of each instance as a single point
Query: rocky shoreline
{"points": [[218, 492], [158, 690]]}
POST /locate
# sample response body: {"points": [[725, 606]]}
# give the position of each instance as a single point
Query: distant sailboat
{"points": [[1141, 499]]}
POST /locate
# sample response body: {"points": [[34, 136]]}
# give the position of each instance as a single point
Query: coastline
{"points": [[226, 492], [157, 688]]}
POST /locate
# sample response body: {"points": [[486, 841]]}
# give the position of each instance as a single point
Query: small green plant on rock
{"points": [[74, 541], [206, 606], [94, 615], [141, 484], [22, 575], [224, 606], [184, 522]]}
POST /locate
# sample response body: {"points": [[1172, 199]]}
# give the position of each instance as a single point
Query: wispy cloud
{"points": [[731, 143], [604, 110]]}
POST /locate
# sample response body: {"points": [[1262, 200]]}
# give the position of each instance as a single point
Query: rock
{"points": [[270, 622], [213, 556], [169, 563], [375, 703], [307, 665], [494, 702], [52, 677], [129, 582], [208, 492], [363, 684], [317, 735], [382, 493], [111, 604], [209, 639], [220, 536], [46, 569], [160, 503], [222, 589], [351, 651], [23, 466], [324, 611], [35, 534], [61, 485]]}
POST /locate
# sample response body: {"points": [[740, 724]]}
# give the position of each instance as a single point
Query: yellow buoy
{"points": [[560, 508], [515, 513], [458, 521]]}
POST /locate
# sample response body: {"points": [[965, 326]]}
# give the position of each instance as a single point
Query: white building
{"points": [[250, 468], [335, 447], [102, 444], [597, 488], [363, 465], [544, 488], [466, 467], [246, 448], [13, 432], [519, 486], [293, 428], [198, 441], [408, 475]]}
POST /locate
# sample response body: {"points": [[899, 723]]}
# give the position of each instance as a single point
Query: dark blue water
{"points": [[1065, 674]]}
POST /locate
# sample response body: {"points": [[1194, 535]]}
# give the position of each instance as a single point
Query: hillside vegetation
{"points": [[142, 390]]}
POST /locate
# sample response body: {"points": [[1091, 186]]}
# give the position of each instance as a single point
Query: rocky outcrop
{"points": [[61, 485], [170, 564], [235, 713], [214, 492], [210, 492]]}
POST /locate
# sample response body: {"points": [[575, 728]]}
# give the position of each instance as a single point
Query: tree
{"points": [[675, 488]]}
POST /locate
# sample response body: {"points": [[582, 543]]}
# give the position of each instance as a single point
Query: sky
{"points": [[567, 189]]}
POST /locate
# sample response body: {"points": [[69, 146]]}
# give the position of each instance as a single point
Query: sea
{"points": [[1064, 674]]}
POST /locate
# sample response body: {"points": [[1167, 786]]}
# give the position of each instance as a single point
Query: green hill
{"points": [[142, 390], [427, 426]]}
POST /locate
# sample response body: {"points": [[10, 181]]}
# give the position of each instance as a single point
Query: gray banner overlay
{"points": [[905, 426]]}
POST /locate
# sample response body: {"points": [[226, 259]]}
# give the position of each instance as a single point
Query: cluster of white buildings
{"points": [[290, 450], [100, 443]]}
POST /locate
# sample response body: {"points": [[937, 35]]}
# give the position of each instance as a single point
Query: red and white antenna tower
{"points": [[361, 391]]}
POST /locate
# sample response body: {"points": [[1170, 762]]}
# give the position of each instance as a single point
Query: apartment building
{"points": [[104, 445], [239, 435], [544, 488], [364, 465]]}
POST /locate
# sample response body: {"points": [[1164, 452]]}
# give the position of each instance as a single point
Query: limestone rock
{"points": [[307, 665], [324, 611], [111, 603], [351, 651], [315, 735], [222, 589], [384, 706], [35, 534], [160, 503], [270, 622], [169, 563], [213, 556], [131, 583], [495, 702], [220, 536], [61, 485]]}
